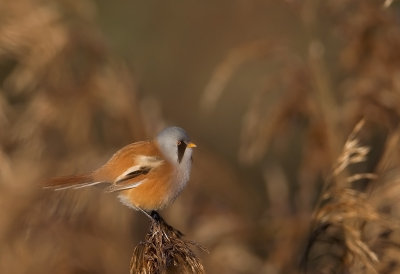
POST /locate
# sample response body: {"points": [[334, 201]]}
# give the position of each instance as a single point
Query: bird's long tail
{"points": [[70, 182]]}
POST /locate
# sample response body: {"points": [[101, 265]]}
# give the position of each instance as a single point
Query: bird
{"points": [[146, 175]]}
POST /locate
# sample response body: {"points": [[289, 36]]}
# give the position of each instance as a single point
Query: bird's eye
{"points": [[179, 143]]}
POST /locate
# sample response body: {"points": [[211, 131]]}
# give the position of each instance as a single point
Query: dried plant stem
{"points": [[165, 251], [346, 210]]}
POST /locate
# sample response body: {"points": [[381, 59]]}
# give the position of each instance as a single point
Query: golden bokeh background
{"points": [[268, 90]]}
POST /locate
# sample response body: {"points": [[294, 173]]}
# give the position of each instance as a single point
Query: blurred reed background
{"points": [[269, 90]]}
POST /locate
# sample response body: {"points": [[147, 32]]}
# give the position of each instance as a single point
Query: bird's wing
{"points": [[124, 186], [127, 168], [136, 175]]}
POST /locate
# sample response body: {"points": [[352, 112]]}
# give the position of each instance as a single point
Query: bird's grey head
{"points": [[175, 144]]}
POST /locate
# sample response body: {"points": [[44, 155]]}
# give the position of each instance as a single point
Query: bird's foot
{"points": [[155, 216]]}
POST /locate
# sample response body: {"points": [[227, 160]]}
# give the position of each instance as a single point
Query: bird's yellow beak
{"points": [[191, 145]]}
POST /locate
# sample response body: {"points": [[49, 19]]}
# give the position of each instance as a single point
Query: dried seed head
{"points": [[165, 251]]}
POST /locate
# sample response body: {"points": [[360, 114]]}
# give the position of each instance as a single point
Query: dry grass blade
{"points": [[341, 217], [353, 152], [165, 251]]}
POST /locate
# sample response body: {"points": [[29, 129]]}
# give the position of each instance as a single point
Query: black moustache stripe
{"points": [[181, 151]]}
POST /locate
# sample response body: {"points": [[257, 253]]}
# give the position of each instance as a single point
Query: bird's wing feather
{"points": [[132, 176], [126, 169], [131, 173], [124, 186]]}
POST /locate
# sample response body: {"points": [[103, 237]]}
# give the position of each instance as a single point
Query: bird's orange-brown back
{"points": [[125, 158]]}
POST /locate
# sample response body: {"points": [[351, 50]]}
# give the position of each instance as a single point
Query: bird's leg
{"points": [[155, 216], [145, 213]]}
